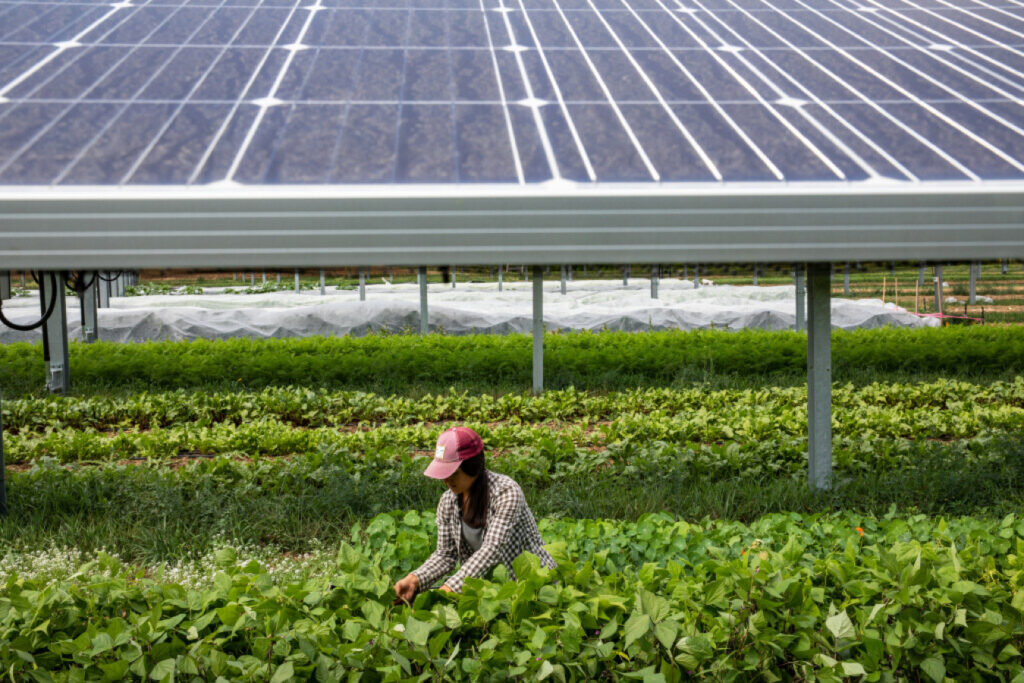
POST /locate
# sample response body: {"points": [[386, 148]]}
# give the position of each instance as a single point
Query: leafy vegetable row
{"points": [[826, 598], [306, 407], [587, 360]]}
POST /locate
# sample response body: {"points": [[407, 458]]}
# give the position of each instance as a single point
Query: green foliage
{"points": [[821, 597], [396, 363]]}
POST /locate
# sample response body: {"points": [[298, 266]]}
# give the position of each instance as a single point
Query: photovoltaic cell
{"points": [[190, 92]]}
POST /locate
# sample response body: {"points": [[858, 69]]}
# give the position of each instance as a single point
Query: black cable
{"points": [[111, 279], [46, 314]]}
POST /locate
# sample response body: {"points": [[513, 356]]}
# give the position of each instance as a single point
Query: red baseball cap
{"points": [[453, 446]]}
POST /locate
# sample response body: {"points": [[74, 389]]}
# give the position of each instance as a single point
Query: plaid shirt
{"points": [[509, 530]]}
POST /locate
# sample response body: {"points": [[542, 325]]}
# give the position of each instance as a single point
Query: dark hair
{"points": [[476, 515]]}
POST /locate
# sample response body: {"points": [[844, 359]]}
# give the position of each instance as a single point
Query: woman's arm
{"points": [[444, 557], [506, 507]]}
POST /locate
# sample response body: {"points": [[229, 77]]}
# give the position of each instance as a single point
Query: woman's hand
{"points": [[407, 587], [446, 589]]}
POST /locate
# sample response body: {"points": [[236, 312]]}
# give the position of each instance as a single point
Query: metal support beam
{"points": [[846, 279], [278, 277], [55, 333], [104, 289], [87, 307], [819, 376], [421, 274], [920, 274], [654, 282], [323, 284], [798, 284], [625, 276], [296, 280], [696, 276], [538, 329], [570, 272], [454, 272], [972, 296], [252, 278], [501, 269], [362, 284], [755, 275], [1005, 265], [264, 277], [938, 288], [563, 279], [5, 285]]}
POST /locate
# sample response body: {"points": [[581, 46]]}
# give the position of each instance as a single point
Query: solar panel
{"points": [[509, 91]]}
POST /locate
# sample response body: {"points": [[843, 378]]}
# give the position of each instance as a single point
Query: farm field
{"points": [[242, 510]]}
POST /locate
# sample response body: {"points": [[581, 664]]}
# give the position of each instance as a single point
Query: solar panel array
{"points": [[509, 91]]}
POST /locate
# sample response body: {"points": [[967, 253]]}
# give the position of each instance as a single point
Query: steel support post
{"points": [[569, 267], [323, 284], [938, 288], [563, 280], [972, 296], [104, 290], [654, 282], [696, 276], [798, 285], [279, 277], [1005, 265], [892, 269], [538, 330], [55, 331], [362, 284], [500, 271], [264, 277], [454, 271], [846, 279], [755, 275], [252, 278], [625, 277], [819, 376], [296, 280], [5, 285], [87, 306], [23, 279], [421, 275], [920, 274]]}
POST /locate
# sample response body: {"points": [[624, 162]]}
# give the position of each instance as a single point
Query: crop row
{"points": [[813, 598], [304, 407], [743, 447], [587, 360]]}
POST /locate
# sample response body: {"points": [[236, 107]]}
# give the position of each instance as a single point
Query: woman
{"points": [[482, 518]]}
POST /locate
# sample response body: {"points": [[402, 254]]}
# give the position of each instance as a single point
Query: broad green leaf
{"points": [[285, 672], [417, 631], [841, 627], [934, 668], [163, 669], [636, 627]]}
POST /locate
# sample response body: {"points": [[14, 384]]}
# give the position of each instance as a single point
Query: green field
{"points": [[241, 510]]}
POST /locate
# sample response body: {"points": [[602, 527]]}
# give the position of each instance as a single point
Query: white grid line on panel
{"points": [[542, 131], [401, 96], [496, 103], [806, 92], [452, 91], [941, 59], [356, 75], [282, 72], [293, 105], [49, 79], [861, 97], [824, 158], [79, 100], [901, 24], [1008, 158], [955, 163], [32, 20], [208, 152], [520, 176], [986, 20], [657, 93], [608, 94], [758, 152], [989, 40], [195, 86], [61, 48]]}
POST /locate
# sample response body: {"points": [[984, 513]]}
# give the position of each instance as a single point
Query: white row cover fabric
{"points": [[469, 308]]}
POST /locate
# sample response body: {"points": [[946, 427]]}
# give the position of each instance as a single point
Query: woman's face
{"points": [[459, 482]]}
